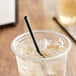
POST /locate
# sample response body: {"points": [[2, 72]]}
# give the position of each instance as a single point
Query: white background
{"points": [[7, 11]]}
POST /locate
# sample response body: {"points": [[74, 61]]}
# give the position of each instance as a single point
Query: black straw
{"points": [[32, 35]]}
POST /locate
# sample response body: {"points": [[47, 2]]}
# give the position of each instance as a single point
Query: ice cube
{"points": [[57, 46], [50, 53], [43, 43], [58, 42], [51, 42]]}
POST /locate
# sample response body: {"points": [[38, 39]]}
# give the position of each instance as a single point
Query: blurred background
{"points": [[12, 24]]}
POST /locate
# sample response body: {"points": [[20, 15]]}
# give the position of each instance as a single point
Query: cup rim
{"points": [[44, 31]]}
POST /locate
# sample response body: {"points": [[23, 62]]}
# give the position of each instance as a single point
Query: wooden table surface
{"points": [[39, 20]]}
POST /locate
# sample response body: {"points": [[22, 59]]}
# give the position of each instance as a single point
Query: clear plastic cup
{"points": [[30, 63]]}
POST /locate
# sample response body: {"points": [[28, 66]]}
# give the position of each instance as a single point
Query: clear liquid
{"points": [[35, 67]]}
